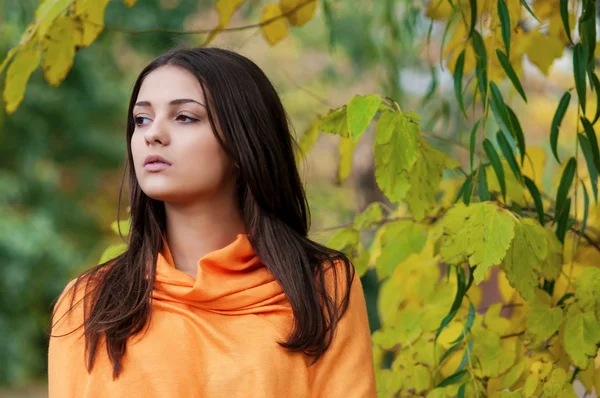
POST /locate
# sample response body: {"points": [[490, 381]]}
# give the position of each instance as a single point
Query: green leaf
{"points": [[346, 150], [123, 225], [492, 357], [336, 122], [472, 141], [586, 207], [588, 11], [399, 240], [537, 199], [564, 15], [552, 264], [309, 138], [518, 131], [505, 24], [524, 3], [510, 72], [484, 192], [361, 260], [112, 251], [508, 154], [586, 148], [463, 188], [512, 376], [596, 86], [557, 121], [581, 336], [565, 185], [563, 220], [468, 190], [344, 240], [496, 165], [481, 64], [425, 178], [542, 322], [473, 9], [579, 62], [591, 136], [370, 216], [396, 151], [361, 110], [453, 379], [458, 76], [524, 258], [587, 31], [499, 109], [480, 234], [587, 289]]}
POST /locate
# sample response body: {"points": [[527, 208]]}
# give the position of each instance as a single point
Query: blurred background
{"points": [[62, 152]]}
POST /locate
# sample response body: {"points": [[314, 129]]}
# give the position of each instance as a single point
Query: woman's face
{"points": [[171, 121]]}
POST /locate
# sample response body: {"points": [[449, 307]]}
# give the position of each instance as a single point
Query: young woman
{"points": [[220, 292]]}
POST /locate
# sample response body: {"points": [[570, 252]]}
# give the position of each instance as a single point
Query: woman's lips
{"points": [[156, 166]]}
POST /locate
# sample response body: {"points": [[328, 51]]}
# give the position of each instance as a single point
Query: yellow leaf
{"points": [[587, 377], [512, 375], [531, 384], [450, 333], [514, 189], [346, 153], [556, 27], [534, 164], [494, 321], [60, 50], [277, 29], [309, 138], [226, 8], [304, 11], [18, 73], [425, 177], [47, 12], [91, 13], [543, 50], [129, 3]]}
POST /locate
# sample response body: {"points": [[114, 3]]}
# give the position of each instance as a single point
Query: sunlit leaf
{"points": [[298, 12], [523, 260], [480, 234], [346, 150], [396, 151], [425, 177], [276, 29], [17, 75], [59, 47], [360, 112]]}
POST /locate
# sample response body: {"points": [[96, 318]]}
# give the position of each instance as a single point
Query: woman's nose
{"points": [[157, 134]]}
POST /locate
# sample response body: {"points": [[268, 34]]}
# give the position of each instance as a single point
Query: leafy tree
{"points": [[454, 224]]}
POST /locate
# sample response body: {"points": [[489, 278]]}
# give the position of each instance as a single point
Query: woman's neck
{"points": [[194, 230]]}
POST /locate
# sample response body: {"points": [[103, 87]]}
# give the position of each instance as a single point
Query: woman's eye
{"points": [[186, 119], [139, 120]]}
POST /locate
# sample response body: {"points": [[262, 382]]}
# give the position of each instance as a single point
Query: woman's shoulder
{"points": [[339, 278], [68, 312]]}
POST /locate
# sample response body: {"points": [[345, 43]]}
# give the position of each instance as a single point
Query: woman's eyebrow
{"points": [[172, 102]]}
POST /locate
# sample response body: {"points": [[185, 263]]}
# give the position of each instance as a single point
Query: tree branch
{"points": [[201, 31]]}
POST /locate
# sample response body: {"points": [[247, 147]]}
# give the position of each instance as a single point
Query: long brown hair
{"points": [[256, 135]]}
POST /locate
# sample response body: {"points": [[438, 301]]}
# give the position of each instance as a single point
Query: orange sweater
{"points": [[215, 336]]}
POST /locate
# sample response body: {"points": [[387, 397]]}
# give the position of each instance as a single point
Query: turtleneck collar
{"points": [[231, 279]]}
